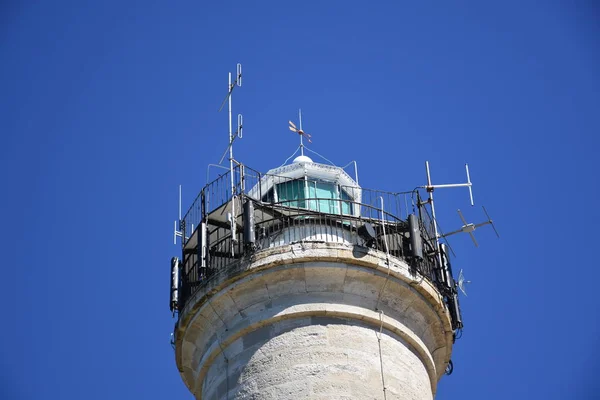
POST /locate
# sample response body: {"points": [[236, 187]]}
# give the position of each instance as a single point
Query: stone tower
{"points": [[306, 285]]}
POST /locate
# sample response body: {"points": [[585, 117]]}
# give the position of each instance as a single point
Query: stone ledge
{"points": [[307, 252]]}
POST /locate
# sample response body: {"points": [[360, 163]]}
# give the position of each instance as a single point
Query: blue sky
{"points": [[106, 107]]}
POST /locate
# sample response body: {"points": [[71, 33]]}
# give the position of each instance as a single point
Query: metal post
{"points": [[233, 217], [435, 231], [301, 142]]}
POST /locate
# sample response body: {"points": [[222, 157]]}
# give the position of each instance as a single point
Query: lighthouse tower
{"points": [[300, 283], [303, 284]]}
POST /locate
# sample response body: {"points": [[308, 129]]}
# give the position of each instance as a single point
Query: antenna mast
{"points": [[301, 142], [181, 232], [230, 87]]}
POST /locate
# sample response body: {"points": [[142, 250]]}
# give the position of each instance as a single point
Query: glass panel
{"points": [[291, 193], [346, 205], [322, 196], [268, 198], [325, 196]]}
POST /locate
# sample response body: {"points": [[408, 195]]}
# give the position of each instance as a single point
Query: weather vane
{"points": [[300, 132]]}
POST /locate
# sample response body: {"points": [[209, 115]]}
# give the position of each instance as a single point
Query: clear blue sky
{"points": [[106, 107]]}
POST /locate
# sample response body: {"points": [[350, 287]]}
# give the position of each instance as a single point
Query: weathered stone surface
{"points": [[304, 321]]}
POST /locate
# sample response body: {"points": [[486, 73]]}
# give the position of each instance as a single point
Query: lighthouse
{"points": [[300, 283]]}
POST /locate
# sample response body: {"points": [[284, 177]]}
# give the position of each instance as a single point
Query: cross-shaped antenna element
{"points": [[470, 227], [430, 187]]}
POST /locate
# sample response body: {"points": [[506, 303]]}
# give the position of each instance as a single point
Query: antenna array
{"points": [[238, 134], [232, 136], [466, 228], [470, 227]]}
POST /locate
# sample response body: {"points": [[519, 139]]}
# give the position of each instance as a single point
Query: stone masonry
{"points": [[314, 320]]}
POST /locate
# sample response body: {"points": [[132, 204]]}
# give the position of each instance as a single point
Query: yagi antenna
{"points": [[470, 227], [490, 221]]}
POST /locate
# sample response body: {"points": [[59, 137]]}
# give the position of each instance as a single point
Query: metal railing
{"points": [[292, 213], [258, 186]]}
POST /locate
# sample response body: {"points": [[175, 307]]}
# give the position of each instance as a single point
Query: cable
{"points": [[288, 159], [387, 255], [312, 151], [458, 334], [380, 355]]}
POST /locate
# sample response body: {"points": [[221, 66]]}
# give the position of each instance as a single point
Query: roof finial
{"points": [[300, 120], [300, 132]]}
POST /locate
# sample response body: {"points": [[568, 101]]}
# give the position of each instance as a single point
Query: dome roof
{"points": [[301, 159]]}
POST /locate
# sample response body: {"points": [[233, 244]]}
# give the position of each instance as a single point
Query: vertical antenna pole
{"points": [[435, 230], [181, 233], [233, 225], [229, 88], [428, 175], [301, 143]]}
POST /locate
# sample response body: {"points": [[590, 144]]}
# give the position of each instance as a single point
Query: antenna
{"points": [[430, 189], [489, 221], [470, 227], [462, 282], [238, 82], [238, 133], [177, 233]]}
